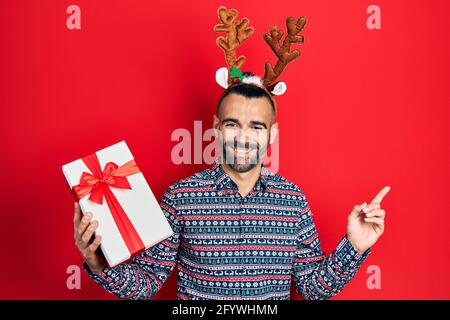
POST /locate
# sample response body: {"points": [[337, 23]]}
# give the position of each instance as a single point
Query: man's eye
{"points": [[230, 125], [258, 128]]}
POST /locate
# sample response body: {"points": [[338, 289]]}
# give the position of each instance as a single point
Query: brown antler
{"points": [[237, 32], [273, 37]]}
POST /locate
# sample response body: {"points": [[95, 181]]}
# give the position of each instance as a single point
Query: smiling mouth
{"points": [[241, 151]]}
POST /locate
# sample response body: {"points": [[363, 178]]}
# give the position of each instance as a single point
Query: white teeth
{"points": [[241, 154]]}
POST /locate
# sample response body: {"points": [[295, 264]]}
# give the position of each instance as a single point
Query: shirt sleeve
{"points": [[144, 276], [316, 276]]}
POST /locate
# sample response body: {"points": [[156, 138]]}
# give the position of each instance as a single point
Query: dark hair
{"points": [[248, 91]]}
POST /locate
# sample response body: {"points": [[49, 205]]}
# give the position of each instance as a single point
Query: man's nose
{"points": [[243, 137]]}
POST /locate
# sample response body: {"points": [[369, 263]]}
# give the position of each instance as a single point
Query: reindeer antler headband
{"points": [[238, 31]]}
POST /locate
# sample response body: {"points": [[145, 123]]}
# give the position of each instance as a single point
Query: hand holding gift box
{"points": [[110, 185]]}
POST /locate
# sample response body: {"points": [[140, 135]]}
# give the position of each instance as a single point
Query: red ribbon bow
{"points": [[98, 184]]}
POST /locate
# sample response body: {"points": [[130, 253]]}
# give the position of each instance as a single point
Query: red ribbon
{"points": [[98, 185]]}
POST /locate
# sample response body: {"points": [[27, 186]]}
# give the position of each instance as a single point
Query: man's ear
{"points": [[273, 132], [216, 122]]}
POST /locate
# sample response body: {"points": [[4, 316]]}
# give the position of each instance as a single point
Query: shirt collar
{"points": [[223, 180]]}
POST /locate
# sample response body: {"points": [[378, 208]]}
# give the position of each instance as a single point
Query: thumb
{"points": [[357, 210]]}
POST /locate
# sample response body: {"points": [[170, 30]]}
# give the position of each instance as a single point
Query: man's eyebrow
{"points": [[253, 122], [231, 120], [258, 123]]}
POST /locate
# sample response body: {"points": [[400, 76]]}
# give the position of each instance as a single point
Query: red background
{"points": [[364, 108]]}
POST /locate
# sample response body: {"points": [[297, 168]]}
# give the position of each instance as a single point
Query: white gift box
{"points": [[140, 205]]}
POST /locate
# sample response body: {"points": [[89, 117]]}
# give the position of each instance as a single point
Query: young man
{"points": [[240, 232]]}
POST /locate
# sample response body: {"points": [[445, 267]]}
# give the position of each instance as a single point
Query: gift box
{"points": [[110, 185]]}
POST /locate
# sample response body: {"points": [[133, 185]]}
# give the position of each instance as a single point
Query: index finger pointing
{"points": [[379, 197]]}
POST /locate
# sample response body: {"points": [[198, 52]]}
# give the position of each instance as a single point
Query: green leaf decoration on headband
{"points": [[236, 73]]}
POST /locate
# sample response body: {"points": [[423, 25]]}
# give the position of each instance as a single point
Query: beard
{"points": [[243, 157]]}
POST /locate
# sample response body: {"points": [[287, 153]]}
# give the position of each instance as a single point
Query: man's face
{"points": [[246, 129]]}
